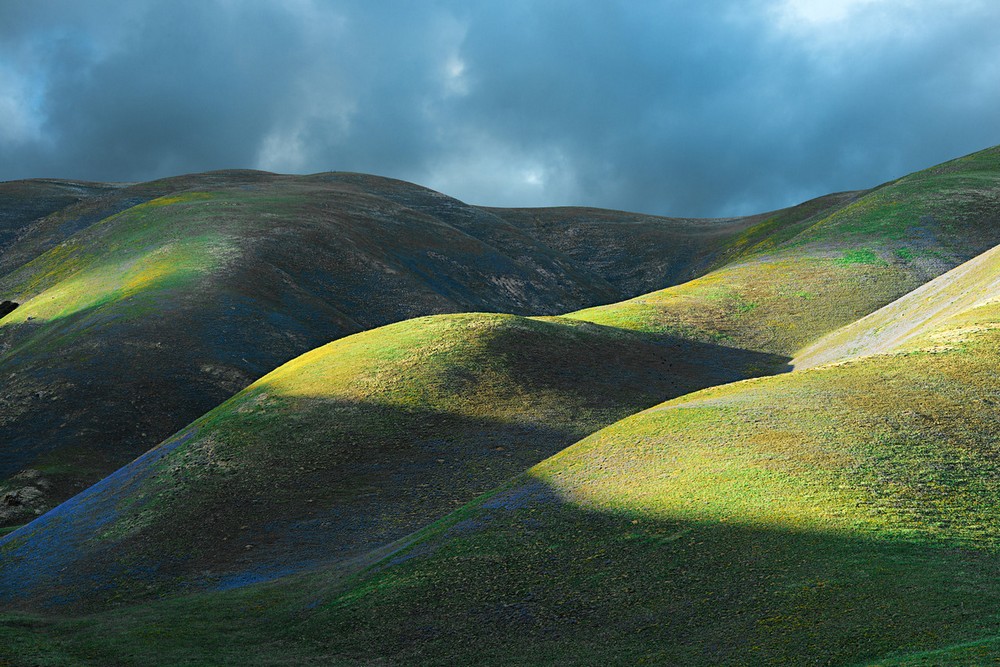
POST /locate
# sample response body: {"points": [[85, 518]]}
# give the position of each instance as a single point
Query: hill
{"points": [[144, 306], [972, 284], [341, 452], [24, 202], [264, 267], [843, 512], [784, 283]]}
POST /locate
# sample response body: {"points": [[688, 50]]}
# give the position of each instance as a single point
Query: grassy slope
{"points": [[653, 351], [149, 304], [784, 284], [348, 448], [838, 515], [963, 205], [66, 207], [657, 255], [968, 285]]}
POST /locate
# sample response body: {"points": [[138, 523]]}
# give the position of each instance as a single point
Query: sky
{"points": [[695, 108]]}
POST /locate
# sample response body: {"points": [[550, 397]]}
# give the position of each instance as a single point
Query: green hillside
{"points": [[144, 306], [412, 494], [657, 255], [23, 203], [349, 448], [48, 212], [974, 283], [785, 283], [200, 292], [843, 514]]}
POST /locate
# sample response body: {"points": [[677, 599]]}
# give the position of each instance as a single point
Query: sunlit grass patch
{"points": [[172, 264], [182, 198], [861, 256]]}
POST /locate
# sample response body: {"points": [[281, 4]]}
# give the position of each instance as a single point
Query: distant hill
{"points": [[785, 282]]}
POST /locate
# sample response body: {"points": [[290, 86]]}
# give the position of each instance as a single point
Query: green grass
{"points": [[762, 307], [918, 313], [133, 324], [160, 242], [845, 512], [736, 525], [862, 256], [314, 258], [976, 652], [842, 514], [356, 444], [939, 202], [927, 222]]}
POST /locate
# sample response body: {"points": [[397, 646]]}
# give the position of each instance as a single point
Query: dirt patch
{"points": [[23, 497]]}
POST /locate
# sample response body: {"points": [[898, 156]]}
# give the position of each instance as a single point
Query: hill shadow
{"points": [[525, 577], [313, 481]]}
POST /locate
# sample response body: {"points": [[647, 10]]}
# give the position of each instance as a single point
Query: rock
{"points": [[7, 307]]}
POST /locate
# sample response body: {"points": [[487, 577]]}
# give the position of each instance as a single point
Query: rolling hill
{"points": [[841, 513], [968, 286], [144, 306], [341, 452], [25, 202], [784, 283]]}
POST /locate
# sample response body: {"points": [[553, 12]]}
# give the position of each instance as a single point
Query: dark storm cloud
{"points": [[688, 108]]}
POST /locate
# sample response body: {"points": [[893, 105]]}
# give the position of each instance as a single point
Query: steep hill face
{"points": [[143, 306], [846, 511]]}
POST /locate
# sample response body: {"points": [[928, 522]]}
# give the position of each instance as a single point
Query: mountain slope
{"points": [[844, 512], [81, 205], [643, 255], [25, 202], [967, 286]]}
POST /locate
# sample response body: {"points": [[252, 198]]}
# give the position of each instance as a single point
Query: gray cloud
{"points": [[683, 108]]}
